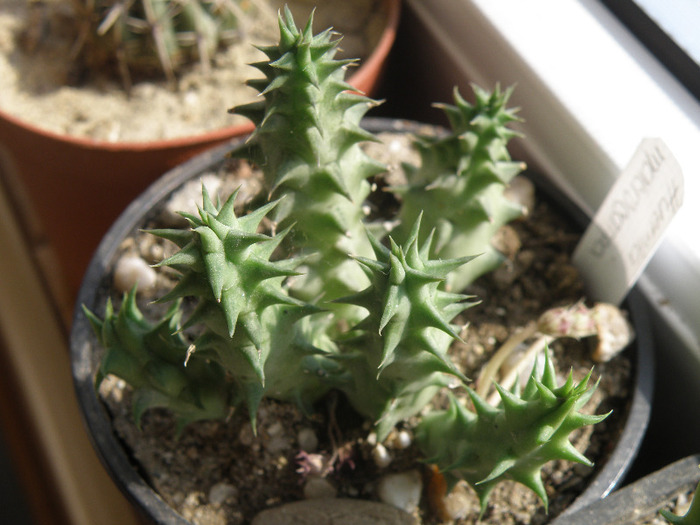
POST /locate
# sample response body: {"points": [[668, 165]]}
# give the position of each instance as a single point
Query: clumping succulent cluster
{"points": [[326, 305], [143, 36]]}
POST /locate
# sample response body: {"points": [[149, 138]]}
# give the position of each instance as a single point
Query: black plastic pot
{"points": [[94, 292], [641, 499]]}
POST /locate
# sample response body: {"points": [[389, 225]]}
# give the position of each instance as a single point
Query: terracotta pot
{"points": [[85, 358], [77, 187]]}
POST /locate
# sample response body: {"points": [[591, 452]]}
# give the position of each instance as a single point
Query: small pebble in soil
{"points": [[246, 436], [277, 441], [459, 502], [189, 198], [317, 487], [682, 504], [307, 439], [276, 445], [381, 456], [275, 429], [399, 439], [220, 492], [191, 99], [132, 270], [402, 490], [521, 191]]}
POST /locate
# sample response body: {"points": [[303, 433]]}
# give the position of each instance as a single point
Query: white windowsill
{"points": [[589, 93]]}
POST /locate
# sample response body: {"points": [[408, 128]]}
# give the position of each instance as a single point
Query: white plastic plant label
{"points": [[630, 223]]}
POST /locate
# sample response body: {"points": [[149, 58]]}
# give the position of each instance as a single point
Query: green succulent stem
{"points": [[249, 320], [153, 359], [459, 186], [512, 441], [319, 166], [400, 359]]}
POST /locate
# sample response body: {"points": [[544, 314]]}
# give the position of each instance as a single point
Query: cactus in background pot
{"points": [[144, 36], [369, 317]]}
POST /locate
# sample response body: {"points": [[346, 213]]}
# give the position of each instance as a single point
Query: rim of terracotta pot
{"points": [[125, 473], [363, 79]]}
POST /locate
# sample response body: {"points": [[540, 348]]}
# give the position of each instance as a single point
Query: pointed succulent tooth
{"points": [[692, 515]]}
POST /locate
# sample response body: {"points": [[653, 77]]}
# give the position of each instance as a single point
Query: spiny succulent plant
{"points": [[151, 358], [143, 36], [458, 187], [372, 318], [400, 359], [246, 312], [513, 440], [320, 166]]}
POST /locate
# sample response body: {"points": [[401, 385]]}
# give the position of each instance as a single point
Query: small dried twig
{"points": [[490, 370], [605, 321]]}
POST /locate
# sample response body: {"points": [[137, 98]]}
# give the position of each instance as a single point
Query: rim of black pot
{"points": [[125, 472], [642, 498]]}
